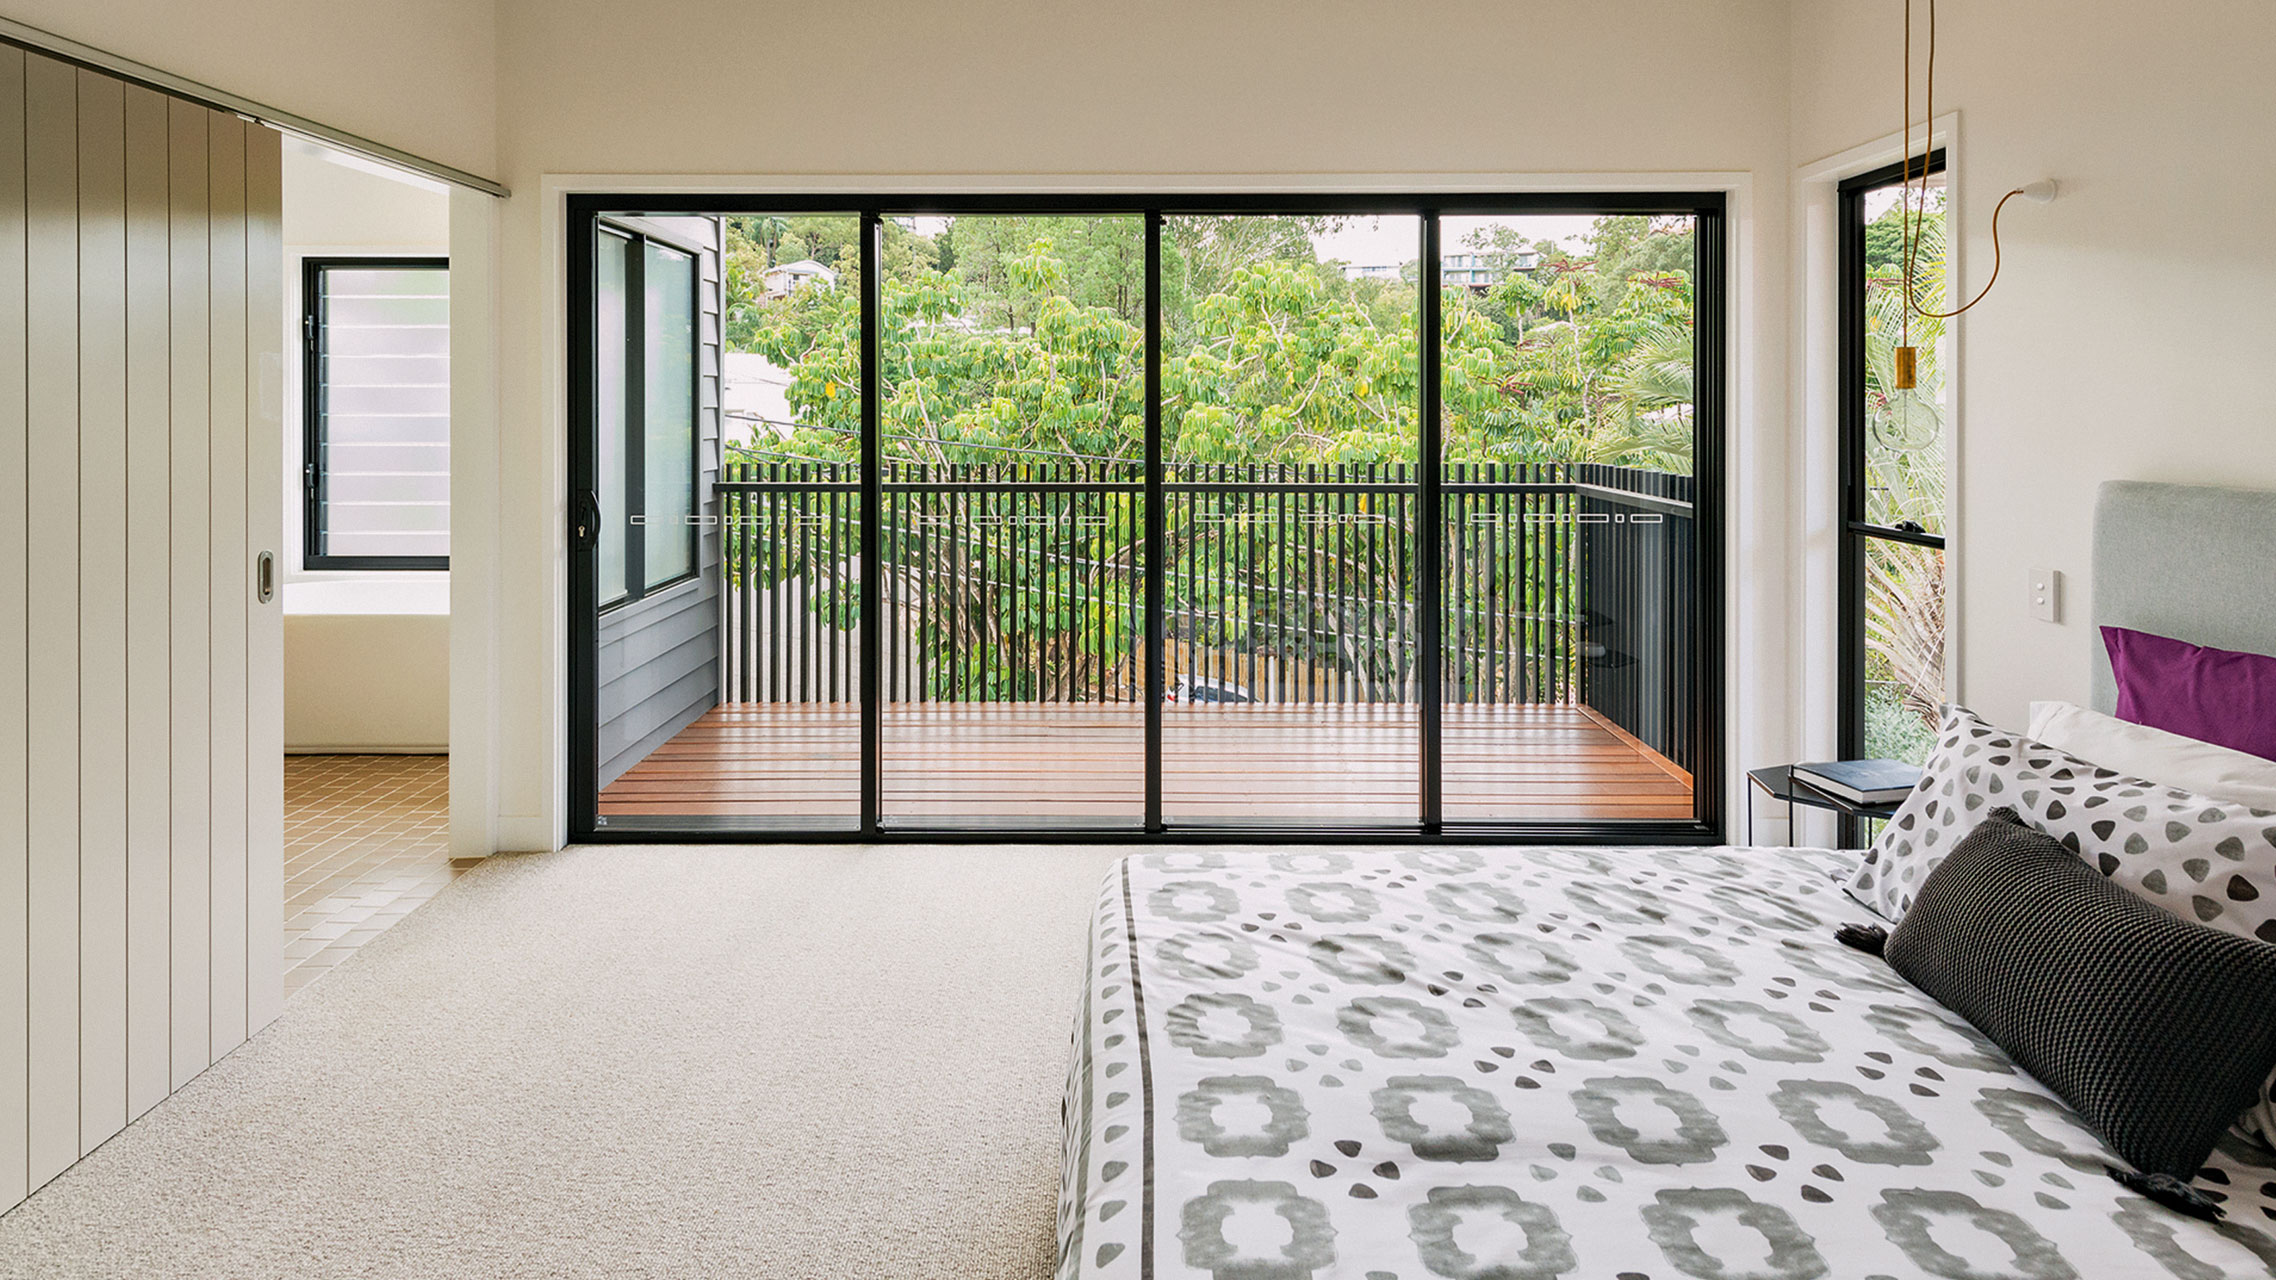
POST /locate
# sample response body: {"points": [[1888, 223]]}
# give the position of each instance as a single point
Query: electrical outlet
{"points": [[2047, 595]]}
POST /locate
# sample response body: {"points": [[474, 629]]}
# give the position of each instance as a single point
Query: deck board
{"points": [[1334, 763]]}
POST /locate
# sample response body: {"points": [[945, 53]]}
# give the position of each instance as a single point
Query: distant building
{"points": [[781, 281], [1474, 269], [1480, 269]]}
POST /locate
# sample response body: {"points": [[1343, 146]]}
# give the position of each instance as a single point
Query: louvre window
{"points": [[377, 450]]}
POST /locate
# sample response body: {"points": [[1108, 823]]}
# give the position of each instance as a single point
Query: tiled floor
{"points": [[366, 842]]}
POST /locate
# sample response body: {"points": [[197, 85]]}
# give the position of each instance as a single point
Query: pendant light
{"points": [[1911, 215]]}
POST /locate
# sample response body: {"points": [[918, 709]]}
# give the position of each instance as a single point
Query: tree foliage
{"points": [[1005, 334], [1905, 482]]}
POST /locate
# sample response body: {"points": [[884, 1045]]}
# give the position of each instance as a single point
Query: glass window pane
{"points": [[668, 464], [1567, 583], [1904, 428], [781, 749], [1291, 380], [610, 381], [1904, 648], [384, 451], [1012, 397]]}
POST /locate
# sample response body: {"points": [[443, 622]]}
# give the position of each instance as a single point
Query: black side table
{"points": [[1778, 782]]}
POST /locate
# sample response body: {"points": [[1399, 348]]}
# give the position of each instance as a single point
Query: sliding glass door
{"points": [[1116, 516], [1568, 376], [1011, 422], [1290, 421]]}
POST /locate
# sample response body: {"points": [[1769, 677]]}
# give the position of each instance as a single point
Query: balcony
{"points": [[1012, 648]]}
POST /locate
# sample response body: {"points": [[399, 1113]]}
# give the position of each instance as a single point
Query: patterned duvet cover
{"points": [[1634, 1064]]}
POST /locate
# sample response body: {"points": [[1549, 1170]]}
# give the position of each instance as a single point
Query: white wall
{"points": [[367, 666], [1263, 93], [2130, 332], [367, 654], [2125, 340], [418, 75]]}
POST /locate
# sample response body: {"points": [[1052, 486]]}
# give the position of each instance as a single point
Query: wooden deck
{"points": [[1351, 763]]}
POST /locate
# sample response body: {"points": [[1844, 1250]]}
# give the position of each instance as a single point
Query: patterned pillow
{"points": [[2203, 859]]}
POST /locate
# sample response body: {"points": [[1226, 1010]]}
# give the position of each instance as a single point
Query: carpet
{"points": [[631, 1061]]}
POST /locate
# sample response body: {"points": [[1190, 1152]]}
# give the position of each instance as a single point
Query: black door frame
{"points": [[1711, 356]]}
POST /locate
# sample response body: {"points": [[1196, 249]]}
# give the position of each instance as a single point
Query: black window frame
{"points": [[313, 479], [1857, 529], [636, 584], [588, 212]]}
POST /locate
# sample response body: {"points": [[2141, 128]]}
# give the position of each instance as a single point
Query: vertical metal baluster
{"points": [[747, 532], [928, 576], [1248, 581], [958, 565], [772, 550]]}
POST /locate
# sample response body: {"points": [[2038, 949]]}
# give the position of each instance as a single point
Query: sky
{"points": [[1393, 240]]}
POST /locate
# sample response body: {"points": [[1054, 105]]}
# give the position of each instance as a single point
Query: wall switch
{"points": [[2047, 595]]}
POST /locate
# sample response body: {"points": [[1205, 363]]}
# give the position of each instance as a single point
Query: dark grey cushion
{"points": [[2155, 1029]]}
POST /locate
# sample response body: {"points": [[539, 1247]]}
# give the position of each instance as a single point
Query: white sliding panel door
{"points": [[264, 620], [51, 504], [102, 609], [148, 483], [191, 625], [141, 724], [231, 564], [15, 796]]}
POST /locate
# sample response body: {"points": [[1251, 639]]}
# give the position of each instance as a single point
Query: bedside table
{"points": [[1778, 782]]}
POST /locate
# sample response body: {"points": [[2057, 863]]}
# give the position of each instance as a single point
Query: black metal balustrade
{"points": [[1562, 584]]}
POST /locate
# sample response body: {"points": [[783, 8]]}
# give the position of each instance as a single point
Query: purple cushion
{"points": [[2213, 695]]}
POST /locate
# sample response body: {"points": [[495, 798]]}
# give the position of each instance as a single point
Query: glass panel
{"points": [[610, 365], [385, 369], [1291, 379], [782, 749], [1904, 648], [668, 463], [1904, 429], [1567, 594], [1014, 439]]}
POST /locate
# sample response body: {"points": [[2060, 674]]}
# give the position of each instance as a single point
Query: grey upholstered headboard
{"points": [[2188, 561]]}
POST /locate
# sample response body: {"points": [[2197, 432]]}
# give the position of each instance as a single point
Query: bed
{"points": [[1632, 1063]]}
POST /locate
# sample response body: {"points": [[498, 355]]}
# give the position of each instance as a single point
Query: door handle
{"points": [[265, 577], [585, 522]]}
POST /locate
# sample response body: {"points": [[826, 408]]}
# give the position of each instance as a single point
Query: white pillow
{"points": [[2167, 759]]}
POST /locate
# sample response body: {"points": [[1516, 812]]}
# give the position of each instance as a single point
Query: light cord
{"points": [[1911, 218]]}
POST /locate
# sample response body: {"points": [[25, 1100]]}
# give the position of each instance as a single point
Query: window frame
{"points": [[639, 236], [1857, 530], [313, 476], [589, 212]]}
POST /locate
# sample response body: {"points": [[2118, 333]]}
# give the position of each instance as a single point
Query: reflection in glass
{"points": [[669, 420], [609, 358]]}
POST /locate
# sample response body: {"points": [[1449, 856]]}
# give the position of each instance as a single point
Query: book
{"points": [[1868, 782]]}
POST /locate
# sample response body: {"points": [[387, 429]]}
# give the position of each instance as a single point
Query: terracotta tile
{"points": [[366, 842]]}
